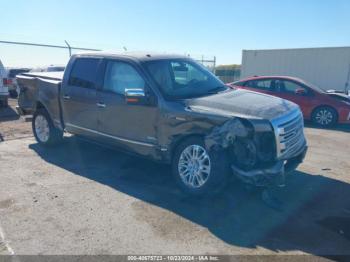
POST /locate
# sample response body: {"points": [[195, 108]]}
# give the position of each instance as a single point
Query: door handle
{"points": [[101, 105], [66, 97]]}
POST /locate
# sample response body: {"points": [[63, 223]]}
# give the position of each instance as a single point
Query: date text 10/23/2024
{"points": [[173, 258]]}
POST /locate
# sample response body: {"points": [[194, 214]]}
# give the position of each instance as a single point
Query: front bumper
{"points": [[273, 175], [344, 118]]}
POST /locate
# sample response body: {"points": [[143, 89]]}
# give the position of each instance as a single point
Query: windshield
{"points": [[312, 86], [182, 78]]}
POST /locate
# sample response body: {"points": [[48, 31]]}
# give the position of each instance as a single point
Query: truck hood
{"points": [[243, 103]]}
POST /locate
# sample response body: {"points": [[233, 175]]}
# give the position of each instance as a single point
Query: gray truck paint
{"points": [[154, 130]]}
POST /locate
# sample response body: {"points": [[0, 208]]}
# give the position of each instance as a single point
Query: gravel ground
{"points": [[80, 198], [11, 125]]}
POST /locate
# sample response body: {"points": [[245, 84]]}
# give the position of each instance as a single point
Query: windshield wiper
{"points": [[217, 90]]}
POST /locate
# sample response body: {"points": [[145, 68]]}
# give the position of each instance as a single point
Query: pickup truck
{"points": [[170, 109]]}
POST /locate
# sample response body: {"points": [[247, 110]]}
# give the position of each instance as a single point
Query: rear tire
{"points": [[197, 171], [43, 129], [325, 116]]}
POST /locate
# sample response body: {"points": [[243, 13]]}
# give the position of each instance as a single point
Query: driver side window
{"points": [[120, 76], [292, 87]]}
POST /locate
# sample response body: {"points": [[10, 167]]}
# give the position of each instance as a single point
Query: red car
{"points": [[324, 108]]}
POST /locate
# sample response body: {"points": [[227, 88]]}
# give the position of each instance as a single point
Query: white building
{"points": [[328, 68]]}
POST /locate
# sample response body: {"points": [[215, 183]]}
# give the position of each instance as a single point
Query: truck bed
{"points": [[58, 76], [40, 86]]}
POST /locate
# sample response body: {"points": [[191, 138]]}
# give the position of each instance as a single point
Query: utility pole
{"points": [[347, 89], [69, 48]]}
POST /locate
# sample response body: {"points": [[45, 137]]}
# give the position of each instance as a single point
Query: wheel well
{"points": [[320, 106], [179, 140], [39, 105]]}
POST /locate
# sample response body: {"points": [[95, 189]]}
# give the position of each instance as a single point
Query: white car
{"points": [[11, 81], [4, 91]]}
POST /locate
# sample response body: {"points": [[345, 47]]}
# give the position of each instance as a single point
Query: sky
{"points": [[220, 28]]}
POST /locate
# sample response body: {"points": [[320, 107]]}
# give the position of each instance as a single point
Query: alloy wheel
{"points": [[42, 128], [194, 166]]}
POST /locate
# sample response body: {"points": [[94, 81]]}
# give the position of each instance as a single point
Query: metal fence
{"points": [[208, 63], [29, 54], [226, 75], [67, 46]]}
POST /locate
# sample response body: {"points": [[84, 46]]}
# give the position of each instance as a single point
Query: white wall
{"points": [[327, 68]]}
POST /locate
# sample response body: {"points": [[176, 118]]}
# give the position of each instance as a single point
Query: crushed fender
{"points": [[225, 135], [240, 141]]}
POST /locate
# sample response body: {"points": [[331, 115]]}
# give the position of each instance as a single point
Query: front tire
{"points": [[325, 116], [197, 171], [45, 133]]}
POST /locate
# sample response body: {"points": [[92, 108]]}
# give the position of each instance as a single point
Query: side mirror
{"points": [[134, 96], [138, 96], [300, 91]]}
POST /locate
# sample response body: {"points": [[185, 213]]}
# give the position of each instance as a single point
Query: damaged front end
{"points": [[257, 148]]}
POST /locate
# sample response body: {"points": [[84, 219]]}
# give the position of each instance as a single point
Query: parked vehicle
{"points": [[11, 81], [309, 64], [169, 109], [324, 108], [4, 93], [50, 68]]}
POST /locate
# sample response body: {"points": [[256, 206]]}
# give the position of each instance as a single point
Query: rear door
{"points": [[78, 96], [132, 126]]}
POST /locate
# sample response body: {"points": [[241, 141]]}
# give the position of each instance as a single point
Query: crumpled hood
{"points": [[243, 103], [339, 96]]}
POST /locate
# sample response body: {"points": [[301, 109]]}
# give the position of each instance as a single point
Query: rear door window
{"points": [[259, 84], [84, 73], [242, 83], [263, 84]]}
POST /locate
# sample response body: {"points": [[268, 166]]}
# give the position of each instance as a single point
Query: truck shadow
{"points": [[8, 114], [315, 219]]}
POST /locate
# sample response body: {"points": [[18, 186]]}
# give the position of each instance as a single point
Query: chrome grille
{"points": [[289, 131]]}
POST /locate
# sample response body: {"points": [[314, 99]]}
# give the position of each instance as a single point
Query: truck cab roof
{"points": [[140, 56]]}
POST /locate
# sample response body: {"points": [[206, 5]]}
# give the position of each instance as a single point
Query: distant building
{"points": [[328, 68]]}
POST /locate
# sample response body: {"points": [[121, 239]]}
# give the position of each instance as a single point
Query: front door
{"points": [[132, 126], [296, 93]]}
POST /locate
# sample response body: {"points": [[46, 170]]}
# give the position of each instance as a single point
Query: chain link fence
{"points": [[46, 54]]}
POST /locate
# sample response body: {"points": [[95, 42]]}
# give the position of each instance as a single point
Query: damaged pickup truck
{"points": [[170, 109]]}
